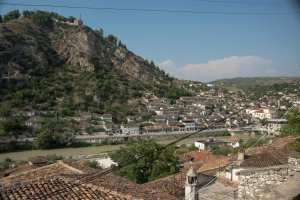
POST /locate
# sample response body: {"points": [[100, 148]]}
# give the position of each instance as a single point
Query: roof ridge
{"points": [[33, 181], [32, 170]]}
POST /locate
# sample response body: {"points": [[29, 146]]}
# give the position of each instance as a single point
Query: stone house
{"points": [[34, 121], [210, 144], [130, 129], [189, 125]]}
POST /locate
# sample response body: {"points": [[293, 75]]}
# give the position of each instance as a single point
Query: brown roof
{"points": [[214, 164], [56, 188], [200, 156], [61, 174], [41, 172], [279, 143], [282, 142], [265, 159]]}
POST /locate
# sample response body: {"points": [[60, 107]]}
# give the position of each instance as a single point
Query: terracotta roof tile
{"points": [[265, 159], [200, 156], [55, 188], [46, 171], [214, 164]]}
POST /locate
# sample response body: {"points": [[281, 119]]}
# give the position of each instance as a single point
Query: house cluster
{"points": [[266, 172], [261, 113], [32, 118], [191, 113]]}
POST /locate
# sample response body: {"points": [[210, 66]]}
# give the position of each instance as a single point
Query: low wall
{"points": [[153, 136], [255, 183]]}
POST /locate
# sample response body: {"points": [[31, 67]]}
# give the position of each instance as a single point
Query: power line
{"points": [[92, 176], [234, 161], [239, 2], [150, 10]]}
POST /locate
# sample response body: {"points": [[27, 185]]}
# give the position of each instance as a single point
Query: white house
{"points": [[232, 142], [106, 162], [189, 125], [200, 145], [130, 129]]}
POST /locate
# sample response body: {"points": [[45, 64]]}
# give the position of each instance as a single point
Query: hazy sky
{"points": [[201, 47]]}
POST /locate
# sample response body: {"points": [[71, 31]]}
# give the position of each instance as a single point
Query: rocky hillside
{"points": [[26, 46], [48, 62]]}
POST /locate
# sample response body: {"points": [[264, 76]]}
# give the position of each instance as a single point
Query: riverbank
{"points": [[67, 152]]}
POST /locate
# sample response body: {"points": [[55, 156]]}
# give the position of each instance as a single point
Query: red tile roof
{"points": [[52, 177], [214, 164], [55, 188], [264, 159], [46, 171], [200, 156]]}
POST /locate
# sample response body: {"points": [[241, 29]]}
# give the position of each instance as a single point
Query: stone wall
{"points": [[255, 183], [294, 164]]}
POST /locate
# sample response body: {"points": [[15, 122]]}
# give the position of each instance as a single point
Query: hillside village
{"points": [[89, 90], [210, 108]]}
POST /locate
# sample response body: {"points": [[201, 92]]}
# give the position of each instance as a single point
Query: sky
{"points": [[207, 44]]}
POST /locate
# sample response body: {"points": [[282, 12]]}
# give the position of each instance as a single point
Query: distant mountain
{"points": [[252, 81]]}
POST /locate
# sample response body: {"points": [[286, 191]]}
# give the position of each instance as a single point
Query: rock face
{"points": [[32, 46]]}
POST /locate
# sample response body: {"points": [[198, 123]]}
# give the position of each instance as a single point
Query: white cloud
{"points": [[230, 67], [166, 65]]}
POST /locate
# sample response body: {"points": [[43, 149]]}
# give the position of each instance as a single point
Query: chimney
{"points": [[240, 158], [206, 157], [191, 185]]}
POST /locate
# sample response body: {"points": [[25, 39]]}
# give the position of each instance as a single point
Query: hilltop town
{"points": [[65, 87]]}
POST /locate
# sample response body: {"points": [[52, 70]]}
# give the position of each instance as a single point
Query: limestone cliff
{"points": [[31, 46]]}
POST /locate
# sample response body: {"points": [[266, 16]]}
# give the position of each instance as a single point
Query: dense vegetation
{"points": [[144, 161], [276, 90], [243, 82], [59, 91], [293, 128]]}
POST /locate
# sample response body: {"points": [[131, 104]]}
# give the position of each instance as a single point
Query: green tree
{"points": [[45, 140], [51, 137], [53, 158], [0, 18], [293, 124], [71, 19], [99, 32], [89, 129], [264, 121], [142, 161], [92, 164], [7, 163], [4, 112], [113, 39], [15, 14]]}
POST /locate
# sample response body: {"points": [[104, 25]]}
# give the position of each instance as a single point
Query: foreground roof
{"points": [[57, 181], [56, 188], [214, 164]]}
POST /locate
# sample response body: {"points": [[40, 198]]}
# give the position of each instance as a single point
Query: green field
{"points": [[66, 152]]}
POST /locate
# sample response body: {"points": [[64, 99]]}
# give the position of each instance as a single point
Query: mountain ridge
{"points": [[252, 81], [30, 45]]}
